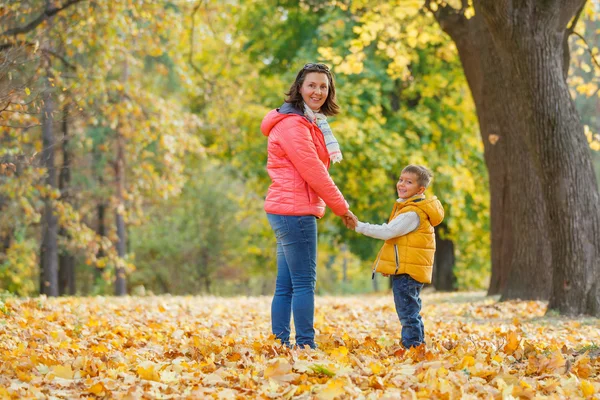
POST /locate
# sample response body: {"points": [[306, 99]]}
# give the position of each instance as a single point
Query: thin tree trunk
{"points": [[66, 261], [49, 249], [101, 230], [443, 267], [121, 280]]}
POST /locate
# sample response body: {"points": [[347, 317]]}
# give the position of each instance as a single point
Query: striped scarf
{"points": [[333, 147]]}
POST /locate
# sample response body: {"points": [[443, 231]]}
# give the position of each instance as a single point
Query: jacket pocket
{"points": [[308, 196], [397, 258]]}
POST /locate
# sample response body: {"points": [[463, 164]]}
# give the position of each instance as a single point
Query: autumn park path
{"points": [[211, 347]]}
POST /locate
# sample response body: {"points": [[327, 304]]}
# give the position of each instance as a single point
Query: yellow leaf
{"points": [[334, 388], [513, 343], [97, 389], [23, 376], [467, 361], [340, 353], [280, 370], [587, 388], [147, 370], [493, 138], [61, 371], [376, 368], [27, 91], [101, 348]]}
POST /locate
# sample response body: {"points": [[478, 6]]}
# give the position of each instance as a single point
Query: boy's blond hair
{"points": [[423, 174]]}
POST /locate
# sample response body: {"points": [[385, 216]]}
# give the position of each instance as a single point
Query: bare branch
{"points": [[61, 58], [588, 48], [6, 46], [48, 12], [571, 29], [191, 59], [19, 127], [566, 11], [566, 57]]}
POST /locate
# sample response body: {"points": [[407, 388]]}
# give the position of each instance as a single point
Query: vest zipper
{"points": [[375, 265], [397, 259]]}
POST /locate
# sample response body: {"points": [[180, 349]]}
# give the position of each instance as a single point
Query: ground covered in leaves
{"points": [[209, 347]]}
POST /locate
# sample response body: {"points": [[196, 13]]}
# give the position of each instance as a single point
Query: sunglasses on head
{"points": [[317, 66]]}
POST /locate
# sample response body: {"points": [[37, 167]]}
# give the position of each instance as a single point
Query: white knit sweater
{"points": [[401, 225]]}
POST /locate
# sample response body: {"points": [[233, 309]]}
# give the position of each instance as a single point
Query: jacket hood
{"points": [[273, 117], [430, 206]]}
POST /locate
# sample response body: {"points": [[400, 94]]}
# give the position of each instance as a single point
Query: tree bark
{"points": [[101, 230], [121, 280], [49, 249], [530, 41], [443, 267], [66, 270], [520, 249], [120, 275]]}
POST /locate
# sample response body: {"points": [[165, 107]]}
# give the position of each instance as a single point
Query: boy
{"points": [[407, 253]]}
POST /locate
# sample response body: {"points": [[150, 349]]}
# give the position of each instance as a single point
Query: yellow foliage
{"points": [[163, 346]]}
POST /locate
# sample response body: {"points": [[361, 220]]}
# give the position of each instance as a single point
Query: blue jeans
{"points": [[408, 306], [296, 277]]}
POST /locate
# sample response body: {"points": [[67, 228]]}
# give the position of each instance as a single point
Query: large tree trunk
{"points": [[520, 249], [49, 249], [66, 270], [530, 38]]}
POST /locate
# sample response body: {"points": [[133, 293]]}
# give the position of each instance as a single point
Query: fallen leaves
{"points": [[209, 347]]}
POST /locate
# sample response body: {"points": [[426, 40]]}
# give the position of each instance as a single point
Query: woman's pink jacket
{"points": [[297, 164]]}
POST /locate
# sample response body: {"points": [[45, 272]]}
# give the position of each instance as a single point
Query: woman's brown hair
{"points": [[294, 96]]}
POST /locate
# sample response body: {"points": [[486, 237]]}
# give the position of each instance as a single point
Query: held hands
{"points": [[350, 220]]}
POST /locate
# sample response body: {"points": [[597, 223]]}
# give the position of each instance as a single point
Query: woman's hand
{"points": [[350, 220]]}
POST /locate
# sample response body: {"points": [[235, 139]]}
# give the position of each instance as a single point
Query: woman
{"points": [[301, 147]]}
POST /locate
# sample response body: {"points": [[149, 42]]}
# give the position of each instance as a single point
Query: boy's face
{"points": [[408, 185]]}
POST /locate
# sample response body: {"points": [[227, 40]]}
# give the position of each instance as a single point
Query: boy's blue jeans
{"points": [[296, 277], [408, 306]]}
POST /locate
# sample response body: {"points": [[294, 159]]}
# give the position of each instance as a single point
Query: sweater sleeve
{"points": [[399, 226], [297, 142]]}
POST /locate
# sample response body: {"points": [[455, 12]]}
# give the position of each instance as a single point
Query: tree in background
{"points": [[389, 118], [150, 110], [140, 133], [530, 39], [534, 157]]}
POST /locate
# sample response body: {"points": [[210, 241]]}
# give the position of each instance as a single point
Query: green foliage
{"points": [[18, 267], [198, 241], [184, 106]]}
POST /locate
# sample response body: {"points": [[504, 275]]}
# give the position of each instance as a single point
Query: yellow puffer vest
{"points": [[412, 253]]}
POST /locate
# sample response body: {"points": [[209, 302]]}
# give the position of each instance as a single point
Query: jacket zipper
{"points": [[397, 259]]}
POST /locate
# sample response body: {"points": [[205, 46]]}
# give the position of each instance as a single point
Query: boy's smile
{"points": [[408, 185]]}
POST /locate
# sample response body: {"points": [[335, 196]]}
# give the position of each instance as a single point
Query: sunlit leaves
{"points": [[208, 346], [593, 139]]}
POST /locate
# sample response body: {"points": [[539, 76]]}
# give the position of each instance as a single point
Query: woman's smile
{"points": [[314, 90]]}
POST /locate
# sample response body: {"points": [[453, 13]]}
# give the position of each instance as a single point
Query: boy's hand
{"points": [[350, 220]]}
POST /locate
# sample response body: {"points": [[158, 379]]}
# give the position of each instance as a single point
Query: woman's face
{"points": [[315, 89]]}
